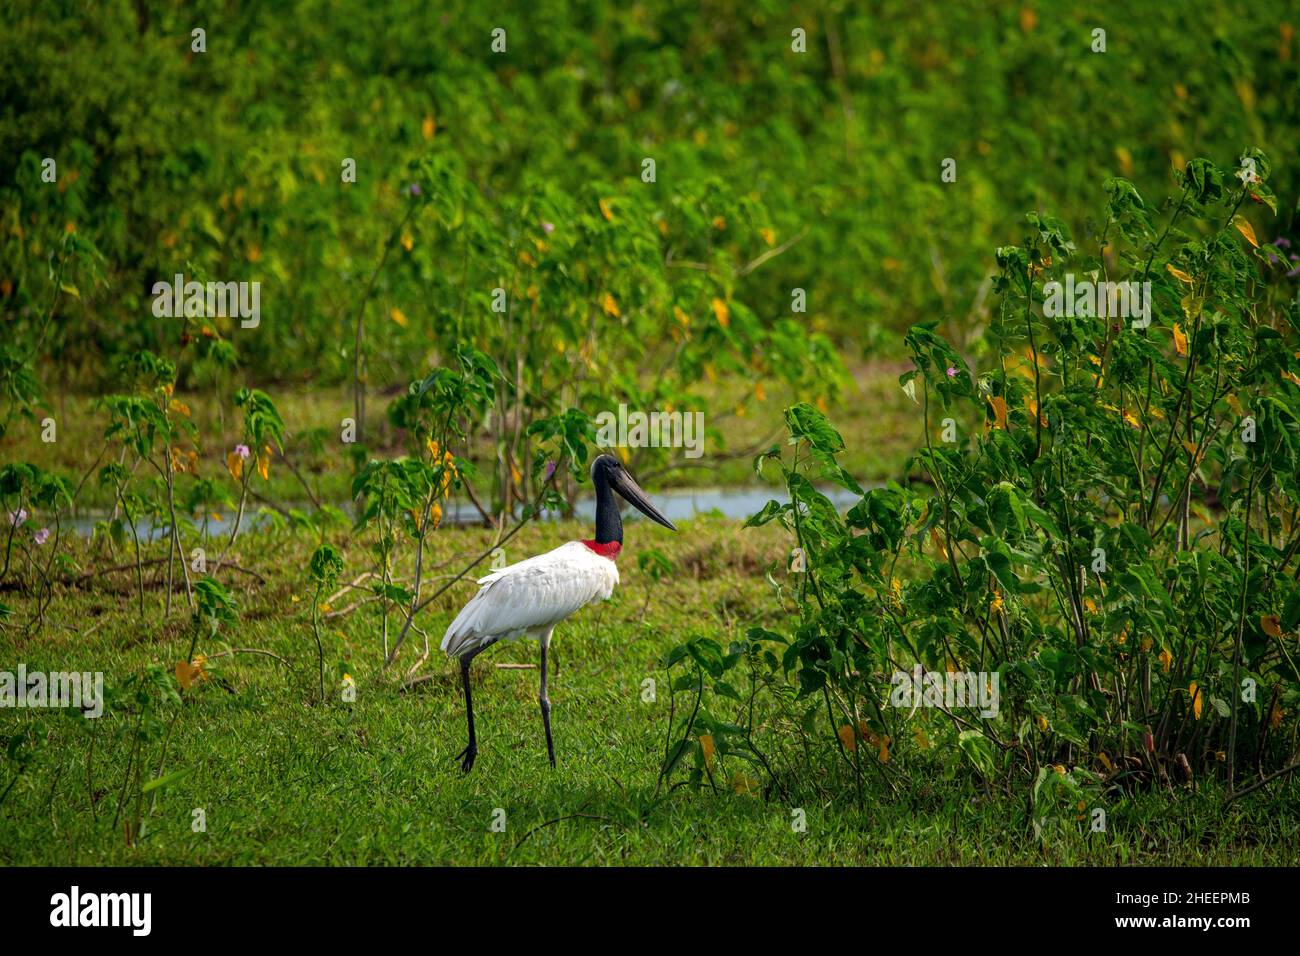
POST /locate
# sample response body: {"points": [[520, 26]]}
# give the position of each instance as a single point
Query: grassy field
{"points": [[283, 779]]}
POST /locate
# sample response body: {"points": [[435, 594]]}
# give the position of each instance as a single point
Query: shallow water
{"points": [[676, 504]]}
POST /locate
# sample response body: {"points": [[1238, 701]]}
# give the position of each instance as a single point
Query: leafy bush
{"points": [[1108, 523]]}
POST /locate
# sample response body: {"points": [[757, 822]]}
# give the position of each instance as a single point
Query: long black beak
{"points": [[626, 486]]}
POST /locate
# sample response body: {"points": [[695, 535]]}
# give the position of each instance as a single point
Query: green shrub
{"points": [[1108, 523]]}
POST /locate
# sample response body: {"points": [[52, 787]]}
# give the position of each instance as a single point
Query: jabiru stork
{"points": [[530, 598]]}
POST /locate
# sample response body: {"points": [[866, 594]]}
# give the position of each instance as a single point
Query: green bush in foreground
{"points": [[1108, 545]]}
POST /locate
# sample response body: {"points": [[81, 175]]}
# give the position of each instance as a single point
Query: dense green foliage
{"points": [[226, 163], [1113, 532]]}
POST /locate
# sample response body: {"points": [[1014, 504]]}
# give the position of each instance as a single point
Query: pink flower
{"points": [[242, 451], [16, 518], [42, 536], [548, 227], [952, 371]]}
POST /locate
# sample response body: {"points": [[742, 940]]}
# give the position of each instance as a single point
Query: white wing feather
{"points": [[531, 597]]}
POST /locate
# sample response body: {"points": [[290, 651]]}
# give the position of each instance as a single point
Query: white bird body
{"points": [[529, 598]]}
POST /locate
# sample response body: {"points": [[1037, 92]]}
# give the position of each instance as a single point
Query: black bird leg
{"points": [[466, 756], [545, 701]]}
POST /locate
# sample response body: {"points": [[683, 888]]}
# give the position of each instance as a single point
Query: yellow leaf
{"points": [[768, 236], [1245, 228], [72, 290], [721, 312], [1291, 377], [1032, 405], [1042, 723], [1192, 305], [1271, 625], [682, 318], [1146, 644], [999, 411], [1105, 761], [883, 749], [1090, 605], [435, 514], [706, 746], [609, 306], [235, 465], [1132, 419], [325, 608], [264, 462], [428, 127], [398, 316], [606, 211], [1125, 159], [937, 541], [1165, 659], [760, 392], [848, 738], [1198, 699], [996, 604], [408, 241], [188, 674], [719, 223], [1179, 274], [1180, 340]]}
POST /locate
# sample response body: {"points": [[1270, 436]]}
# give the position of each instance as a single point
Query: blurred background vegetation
{"points": [[774, 170]]}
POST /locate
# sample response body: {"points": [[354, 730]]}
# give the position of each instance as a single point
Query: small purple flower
{"points": [[16, 518], [242, 451], [1282, 242], [550, 469], [548, 227], [42, 536], [952, 371], [413, 189]]}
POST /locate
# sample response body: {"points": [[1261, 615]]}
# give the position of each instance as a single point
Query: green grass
{"points": [[283, 779]]}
